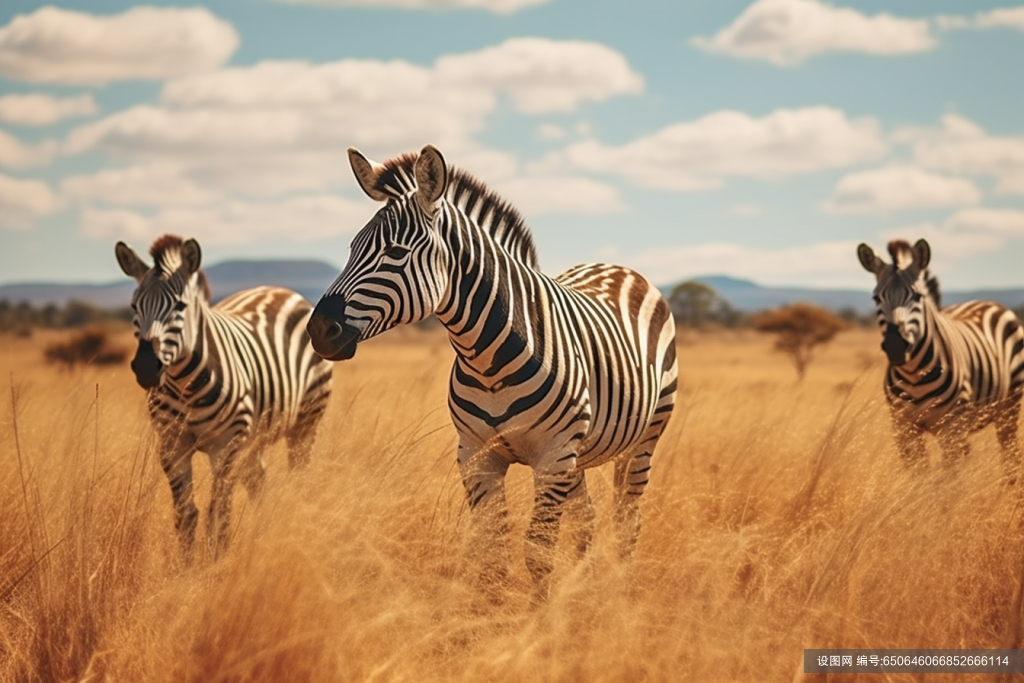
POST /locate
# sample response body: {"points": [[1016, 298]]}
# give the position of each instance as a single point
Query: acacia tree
{"points": [[800, 328], [694, 304]]}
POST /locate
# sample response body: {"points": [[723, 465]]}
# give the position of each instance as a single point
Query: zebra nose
{"points": [[331, 338]]}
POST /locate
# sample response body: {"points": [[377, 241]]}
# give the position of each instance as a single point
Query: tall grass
{"points": [[778, 518]]}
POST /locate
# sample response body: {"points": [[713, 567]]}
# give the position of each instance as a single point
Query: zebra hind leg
{"points": [[632, 472], [483, 476], [581, 508]]}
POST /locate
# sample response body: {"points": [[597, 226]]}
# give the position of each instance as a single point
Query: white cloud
{"points": [[897, 188], [786, 32], [38, 109], [497, 6], [534, 196], [1001, 17], [53, 45], [746, 210], [825, 264], [137, 186], [284, 126], [542, 75], [967, 232], [551, 131], [16, 154], [296, 219], [699, 155], [961, 146], [21, 201]]}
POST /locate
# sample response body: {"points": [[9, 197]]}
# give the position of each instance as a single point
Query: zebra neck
{"points": [[927, 356], [183, 375], [485, 306]]}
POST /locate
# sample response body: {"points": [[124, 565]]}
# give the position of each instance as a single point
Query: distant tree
{"points": [[89, 346], [695, 304], [800, 328], [854, 317]]}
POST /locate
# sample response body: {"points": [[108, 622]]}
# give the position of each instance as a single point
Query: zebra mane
{"points": [[903, 257], [166, 250], [501, 220]]}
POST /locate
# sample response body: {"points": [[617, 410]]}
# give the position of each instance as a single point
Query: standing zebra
{"points": [[951, 371], [220, 379], [561, 374]]}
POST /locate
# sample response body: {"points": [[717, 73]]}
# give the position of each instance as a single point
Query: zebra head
{"points": [[901, 295], [397, 270], [164, 304]]}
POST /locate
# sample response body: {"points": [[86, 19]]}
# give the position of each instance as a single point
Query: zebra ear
{"points": [[922, 254], [431, 177], [130, 263], [366, 173], [869, 259], [191, 256]]}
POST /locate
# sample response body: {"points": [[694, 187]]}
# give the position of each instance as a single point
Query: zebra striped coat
{"points": [[952, 371], [560, 374], [225, 380]]}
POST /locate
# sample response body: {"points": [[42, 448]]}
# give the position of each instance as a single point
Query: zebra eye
{"points": [[396, 251], [180, 306], [877, 299], [916, 296]]}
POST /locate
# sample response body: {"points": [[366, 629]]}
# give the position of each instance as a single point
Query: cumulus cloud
{"points": [[284, 126], [296, 219], [542, 75], [961, 146], [787, 32], [967, 232], [16, 154], [38, 109], [699, 155], [1001, 17], [22, 201], [53, 45], [534, 196], [137, 186], [824, 264], [898, 188], [498, 6]]}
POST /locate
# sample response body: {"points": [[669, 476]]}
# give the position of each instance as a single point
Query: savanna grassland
{"points": [[777, 519]]}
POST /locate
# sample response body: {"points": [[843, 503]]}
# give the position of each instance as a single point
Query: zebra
{"points": [[561, 374], [953, 370], [227, 380]]}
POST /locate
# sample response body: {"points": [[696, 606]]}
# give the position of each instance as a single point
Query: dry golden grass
{"points": [[778, 518]]}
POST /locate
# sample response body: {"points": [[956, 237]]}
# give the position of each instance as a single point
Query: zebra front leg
{"points": [[581, 507], [911, 446], [632, 472], [176, 461], [551, 490], [218, 522], [483, 476]]}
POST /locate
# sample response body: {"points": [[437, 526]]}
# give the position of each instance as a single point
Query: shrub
{"points": [[90, 346]]}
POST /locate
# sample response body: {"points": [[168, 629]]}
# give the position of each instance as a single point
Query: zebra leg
{"points": [[300, 437], [176, 461], [253, 472], [483, 476], [582, 507], [955, 447], [551, 490], [632, 472], [910, 443], [218, 522], [1006, 421]]}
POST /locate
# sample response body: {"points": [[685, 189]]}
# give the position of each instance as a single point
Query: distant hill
{"points": [[311, 278], [308, 278], [750, 296]]}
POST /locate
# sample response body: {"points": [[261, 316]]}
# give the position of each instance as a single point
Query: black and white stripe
{"points": [[560, 374], [953, 370], [227, 380]]}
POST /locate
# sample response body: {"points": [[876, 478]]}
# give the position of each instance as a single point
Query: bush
{"points": [[800, 327], [90, 346]]}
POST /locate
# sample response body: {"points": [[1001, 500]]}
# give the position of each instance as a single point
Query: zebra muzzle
{"points": [[146, 366], [332, 338], [894, 345]]}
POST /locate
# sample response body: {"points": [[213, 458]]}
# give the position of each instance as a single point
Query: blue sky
{"points": [[761, 140]]}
